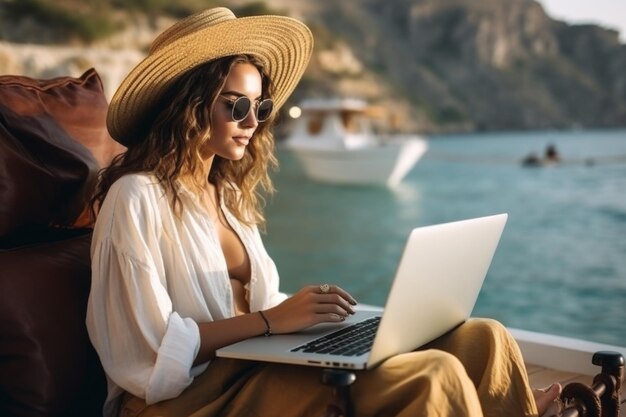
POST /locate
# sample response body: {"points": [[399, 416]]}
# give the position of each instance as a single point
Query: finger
{"points": [[335, 299], [322, 288], [332, 307], [331, 317], [333, 289], [345, 294]]}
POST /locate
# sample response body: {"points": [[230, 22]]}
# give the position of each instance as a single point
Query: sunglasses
{"points": [[241, 106]]}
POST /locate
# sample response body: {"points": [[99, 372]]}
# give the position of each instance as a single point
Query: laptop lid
{"points": [[435, 288], [437, 283]]}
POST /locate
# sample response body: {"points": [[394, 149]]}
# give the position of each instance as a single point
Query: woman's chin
{"points": [[235, 154]]}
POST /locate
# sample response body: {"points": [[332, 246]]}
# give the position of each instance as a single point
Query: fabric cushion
{"points": [[53, 140], [47, 364]]}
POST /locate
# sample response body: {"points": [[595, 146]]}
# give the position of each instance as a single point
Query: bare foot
{"points": [[546, 397]]}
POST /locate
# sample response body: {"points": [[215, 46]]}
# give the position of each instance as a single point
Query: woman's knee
{"points": [[486, 329], [485, 324], [448, 366], [413, 381], [433, 364]]}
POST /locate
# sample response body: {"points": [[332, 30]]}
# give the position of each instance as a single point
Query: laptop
{"points": [[437, 281]]}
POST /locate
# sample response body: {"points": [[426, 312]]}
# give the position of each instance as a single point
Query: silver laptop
{"points": [[434, 290]]}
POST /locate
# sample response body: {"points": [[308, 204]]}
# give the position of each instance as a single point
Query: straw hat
{"points": [[283, 44]]}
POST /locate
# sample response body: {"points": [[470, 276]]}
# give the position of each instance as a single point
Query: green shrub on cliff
{"points": [[90, 20], [87, 21]]}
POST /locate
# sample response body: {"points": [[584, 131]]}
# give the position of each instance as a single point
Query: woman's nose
{"points": [[250, 120]]}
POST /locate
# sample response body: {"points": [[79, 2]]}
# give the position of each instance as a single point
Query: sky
{"points": [[607, 13]]}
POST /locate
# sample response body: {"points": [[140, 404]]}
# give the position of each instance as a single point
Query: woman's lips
{"points": [[242, 140]]}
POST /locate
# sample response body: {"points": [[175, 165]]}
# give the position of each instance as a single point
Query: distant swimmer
{"points": [[551, 157], [531, 160]]}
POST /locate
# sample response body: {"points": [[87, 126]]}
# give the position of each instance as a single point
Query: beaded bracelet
{"points": [[268, 332]]}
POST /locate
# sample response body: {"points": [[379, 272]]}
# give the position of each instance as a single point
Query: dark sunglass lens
{"points": [[264, 111], [241, 107]]}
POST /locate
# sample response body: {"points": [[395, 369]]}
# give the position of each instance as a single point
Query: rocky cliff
{"points": [[485, 64], [430, 65]]}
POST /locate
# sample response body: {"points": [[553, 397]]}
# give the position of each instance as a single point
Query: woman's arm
{"points": [[304, 309], [220, 333]]}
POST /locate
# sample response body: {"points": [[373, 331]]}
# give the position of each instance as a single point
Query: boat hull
{"points": [[386, 164]]}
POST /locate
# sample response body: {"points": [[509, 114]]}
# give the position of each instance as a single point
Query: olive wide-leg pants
{"points": [[475, 370]]}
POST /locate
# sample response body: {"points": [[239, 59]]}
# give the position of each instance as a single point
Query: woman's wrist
{"points": [[268, 327]]}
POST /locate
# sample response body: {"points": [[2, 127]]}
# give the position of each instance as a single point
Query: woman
{"points": [[179, 268]]}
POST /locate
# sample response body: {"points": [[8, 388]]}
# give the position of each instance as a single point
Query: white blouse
{"points": [[154, 277]]}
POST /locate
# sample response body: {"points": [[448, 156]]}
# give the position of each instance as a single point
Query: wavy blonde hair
{"points": [[181, 126]]}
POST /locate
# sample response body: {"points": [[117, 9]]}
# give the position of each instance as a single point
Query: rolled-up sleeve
{"points": [[171, 372]]}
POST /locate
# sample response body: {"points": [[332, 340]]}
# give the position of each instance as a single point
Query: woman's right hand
{"points": [[309, 306]]}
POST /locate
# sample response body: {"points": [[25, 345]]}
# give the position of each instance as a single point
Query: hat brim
{"points": [[283, 44]]}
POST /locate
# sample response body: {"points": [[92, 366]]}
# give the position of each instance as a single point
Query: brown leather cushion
{"points": [[53, 140], [47, 365]]}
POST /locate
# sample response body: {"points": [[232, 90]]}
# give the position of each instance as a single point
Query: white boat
{"points": [[334, 142]]}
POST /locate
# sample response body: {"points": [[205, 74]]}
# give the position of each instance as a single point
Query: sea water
{"points": [[560, 267]]}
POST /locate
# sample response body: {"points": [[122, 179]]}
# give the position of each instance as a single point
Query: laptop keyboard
{"points": [[353, 340]]}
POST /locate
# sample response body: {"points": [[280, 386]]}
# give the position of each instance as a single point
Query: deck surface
{"points": [[541, 377]]}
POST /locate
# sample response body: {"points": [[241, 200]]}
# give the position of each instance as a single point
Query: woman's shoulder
{"points": [[128, 196], [136, 185], [138, 180], [135, 189], [131, 213]]}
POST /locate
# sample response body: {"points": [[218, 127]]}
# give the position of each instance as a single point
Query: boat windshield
{"points": [[351, 122]]}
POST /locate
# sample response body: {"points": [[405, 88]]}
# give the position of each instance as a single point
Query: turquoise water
{"points": [[561, 264]]}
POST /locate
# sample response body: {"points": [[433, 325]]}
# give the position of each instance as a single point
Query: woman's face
{"points": [[228, 137]]}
